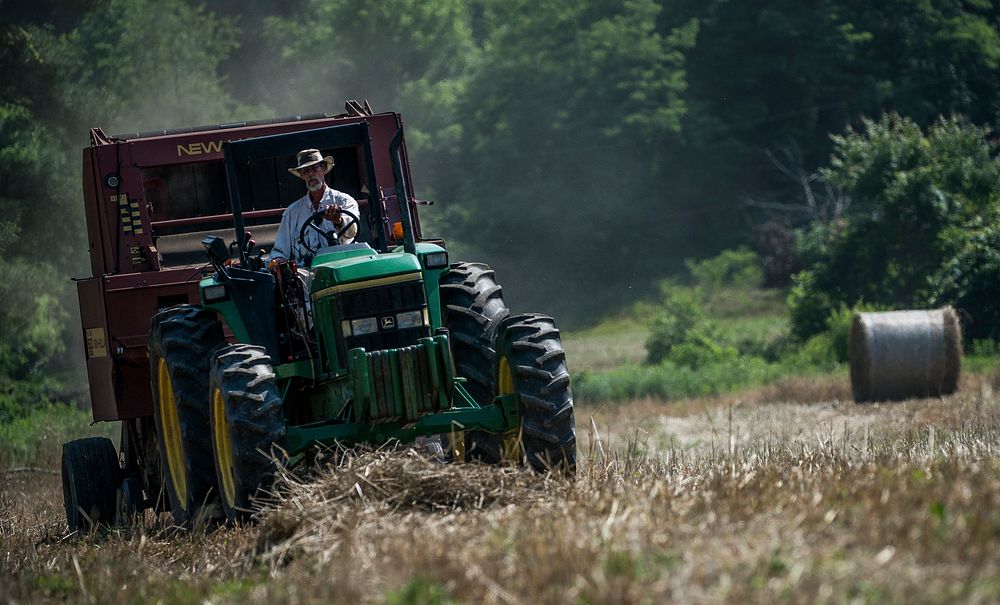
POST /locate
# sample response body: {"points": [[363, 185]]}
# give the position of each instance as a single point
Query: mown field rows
{"points": [[786, 493]]}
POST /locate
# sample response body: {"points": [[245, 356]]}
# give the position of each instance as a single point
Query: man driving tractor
{"points": [[312, 169]]}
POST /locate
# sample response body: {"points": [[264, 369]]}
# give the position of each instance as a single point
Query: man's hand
{"points": [[333, 215]]}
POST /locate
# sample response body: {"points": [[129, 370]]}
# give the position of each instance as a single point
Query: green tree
{"points": [[568, 120], [930, 58], [914, 199], [127, 64], [334, 50], [776, 75], [146, 65], [411, 57], [32, 318], [36, 236], [764, 74]]}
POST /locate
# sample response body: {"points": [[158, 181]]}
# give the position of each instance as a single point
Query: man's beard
{"points": [[314, 184]]}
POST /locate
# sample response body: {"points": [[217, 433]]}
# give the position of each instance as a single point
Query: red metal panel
{"points": [[115, 312], [132, 300], [382, 128], [206, 145], [99, 244], [100, 367], [122, 213]]}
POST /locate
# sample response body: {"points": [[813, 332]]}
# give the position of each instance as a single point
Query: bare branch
{"points": [[822, 206], [749, 201]]}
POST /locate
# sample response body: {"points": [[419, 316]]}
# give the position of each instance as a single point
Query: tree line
{"points": [[584, 148]]}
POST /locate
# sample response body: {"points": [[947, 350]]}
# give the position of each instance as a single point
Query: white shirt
{"points": [[286, 244]]}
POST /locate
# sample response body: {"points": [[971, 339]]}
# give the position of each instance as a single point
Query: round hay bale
{"points": [[903, 354]]}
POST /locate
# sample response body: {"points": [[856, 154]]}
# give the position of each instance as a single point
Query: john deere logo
{"points": [[388, 323]]}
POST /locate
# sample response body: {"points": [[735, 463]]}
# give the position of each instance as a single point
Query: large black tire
{"points": [[473, 306], [247, 422], [531, 365], [182, 341], [90, 477]]}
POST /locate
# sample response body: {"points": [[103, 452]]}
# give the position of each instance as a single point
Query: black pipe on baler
{"points": [[409, 243]]}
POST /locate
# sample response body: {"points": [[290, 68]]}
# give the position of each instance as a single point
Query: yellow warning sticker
{"points": [[96, 343], [131, 218]]}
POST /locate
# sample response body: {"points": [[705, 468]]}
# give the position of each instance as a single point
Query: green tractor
{"points": [[375, 341]]}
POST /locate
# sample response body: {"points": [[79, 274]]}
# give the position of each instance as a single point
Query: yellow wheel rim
{"points": [[223, 449], [511, 439], [173, 445]]}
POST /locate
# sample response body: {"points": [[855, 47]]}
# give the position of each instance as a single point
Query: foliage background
{"points": [[583, 148]]}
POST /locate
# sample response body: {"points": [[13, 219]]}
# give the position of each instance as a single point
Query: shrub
{"points": [[809, 307], [818, 352], [669, 380], [969, 282], [699, 349], [18, 398], [740, 267], [36, 436], [32, 320], [769, 346], [984, 348], [838, 330], [680, 312], [682, 333]]}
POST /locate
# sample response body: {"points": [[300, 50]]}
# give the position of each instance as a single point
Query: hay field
{"points": [[789, 493]]}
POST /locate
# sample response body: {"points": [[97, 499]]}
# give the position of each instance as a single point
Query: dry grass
{"points": [[731, 500]]}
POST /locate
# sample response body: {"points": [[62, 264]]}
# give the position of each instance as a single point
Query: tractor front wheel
{"points": [[472, 305], [247, 423], [531, 366], [182, 341], [90, 477]]}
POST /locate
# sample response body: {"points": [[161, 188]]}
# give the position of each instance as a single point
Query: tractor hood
{"points": [[342, 265]]}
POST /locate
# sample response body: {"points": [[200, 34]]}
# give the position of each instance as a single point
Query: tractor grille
{"points": [[403, 383], [384, 303]]}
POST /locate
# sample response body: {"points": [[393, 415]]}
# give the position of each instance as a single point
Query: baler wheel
{"points": [[472, 305], [531, 365], [248, 426], [182, 341], [90, 477]]}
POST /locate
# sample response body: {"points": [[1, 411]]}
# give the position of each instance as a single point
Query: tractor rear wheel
{"points": [[531, 365], [182, 341], [90, 477], [472, 305], [247, 422]]}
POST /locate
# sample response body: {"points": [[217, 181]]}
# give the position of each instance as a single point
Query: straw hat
{"points": [[311, 157]]}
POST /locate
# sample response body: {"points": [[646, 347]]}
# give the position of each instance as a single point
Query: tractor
{"points": [[249, 368]]}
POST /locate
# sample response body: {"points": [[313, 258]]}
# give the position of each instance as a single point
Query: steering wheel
{"points": [[332, 237]]}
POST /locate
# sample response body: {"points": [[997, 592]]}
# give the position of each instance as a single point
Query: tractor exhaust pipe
{"points": [[409, 243]]}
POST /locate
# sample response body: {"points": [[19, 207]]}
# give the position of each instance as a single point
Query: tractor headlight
{"points": [[436, 260], [410, 319], [367, 325], [214, 293]]}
